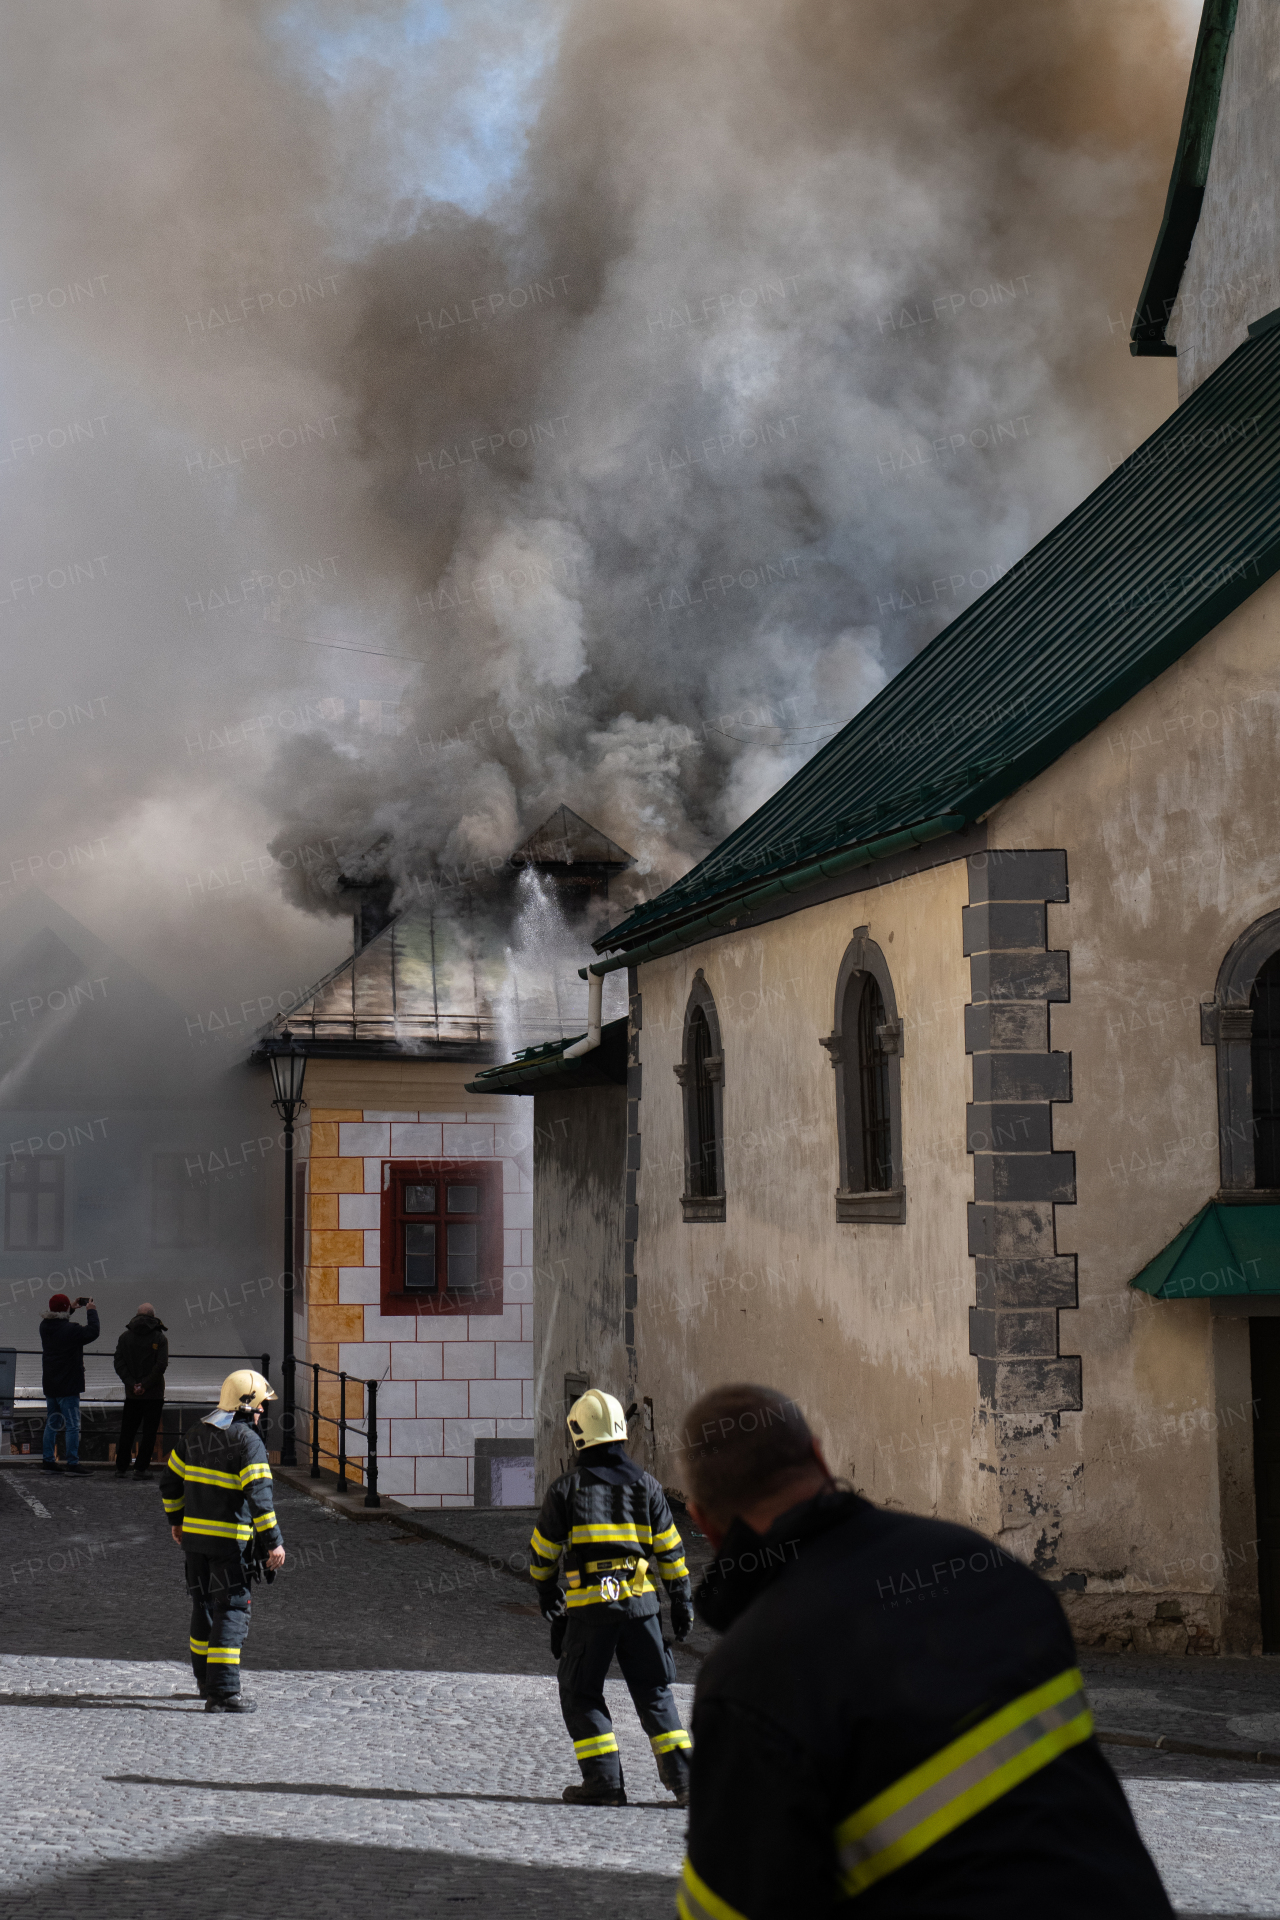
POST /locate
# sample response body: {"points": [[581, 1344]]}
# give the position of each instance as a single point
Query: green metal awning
{"points": [[1227, 1250]]}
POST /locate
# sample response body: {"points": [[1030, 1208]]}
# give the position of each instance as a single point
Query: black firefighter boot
{"points": [[595, 1791], [673, 1771]]}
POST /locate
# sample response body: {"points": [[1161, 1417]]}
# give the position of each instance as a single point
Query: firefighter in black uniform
{"points": [[216, 1488], [894, 1715], [611, 1522]]}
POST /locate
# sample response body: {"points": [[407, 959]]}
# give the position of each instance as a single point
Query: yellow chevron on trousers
{"points": [[668, 1742], [199, 1646], [224, 1656], [598, 1743]]}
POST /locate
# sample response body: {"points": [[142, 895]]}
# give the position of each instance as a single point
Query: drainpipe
{"points": [[595, 999]]}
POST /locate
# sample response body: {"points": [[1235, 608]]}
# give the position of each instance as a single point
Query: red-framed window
{"points": [[441, 1236]]}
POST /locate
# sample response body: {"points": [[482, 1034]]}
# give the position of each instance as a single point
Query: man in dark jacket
{"points": [[62, 1377], [142, 1354], [894, 1714], [610, 1520], [216, 1489]]}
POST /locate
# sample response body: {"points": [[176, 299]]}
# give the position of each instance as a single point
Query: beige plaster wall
{"points": [[1232, 275], [866, 1324], [1170, 817]]}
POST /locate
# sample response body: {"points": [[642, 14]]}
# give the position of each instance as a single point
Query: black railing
{"points": [[368, 1432], [37, 1353]]}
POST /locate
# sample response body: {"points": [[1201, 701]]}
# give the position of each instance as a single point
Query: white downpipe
{"points": [[595, 1001]]}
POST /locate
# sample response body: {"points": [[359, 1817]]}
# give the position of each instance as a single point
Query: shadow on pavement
{"points": [[314, 1880], [336, 1790]]}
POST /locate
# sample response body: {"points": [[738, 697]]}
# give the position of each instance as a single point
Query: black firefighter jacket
{"points": [[611, 1522], [62, 1343], [894, 1724], [216, 1486], [142, 1355]]}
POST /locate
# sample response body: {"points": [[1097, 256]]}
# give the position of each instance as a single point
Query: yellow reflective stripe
{"points": [[258, 1471], [592, 1596], [695, 1900], [224, 1656], [220, 1529], [966, 1776], [611, 1535], [173, 1506], [598, 1744], [262, 1521], [546, 1549], [674, 1570], [212, 1477], [667, 1541], [177, 1466], [199, 1646], [667, 1742], [542, 1573]]}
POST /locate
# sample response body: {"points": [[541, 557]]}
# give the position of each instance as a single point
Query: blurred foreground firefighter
{"points": [[611, 1521], [894, 1713], [216, 1489]]}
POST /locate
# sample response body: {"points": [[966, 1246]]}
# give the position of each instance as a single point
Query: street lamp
{"points": [[288, 1069]]}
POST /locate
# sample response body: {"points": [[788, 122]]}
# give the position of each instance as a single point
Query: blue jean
{"points": [[63, 1416]]}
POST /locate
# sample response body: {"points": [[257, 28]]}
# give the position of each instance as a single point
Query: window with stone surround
{"points": [[442, 1240], [700, 1073], [865, 1049], [1243, 1023]]}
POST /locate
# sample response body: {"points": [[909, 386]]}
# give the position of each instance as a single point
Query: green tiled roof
{"points": [[1175, 538]]}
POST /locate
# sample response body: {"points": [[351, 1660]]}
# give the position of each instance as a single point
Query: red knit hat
{"points": [[59, 1303]]}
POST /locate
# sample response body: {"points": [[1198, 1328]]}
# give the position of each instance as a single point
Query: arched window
{"points": [[701, 1076], [1265, 1061], [865, 1047], [1243, 1022], [873, 1089]]}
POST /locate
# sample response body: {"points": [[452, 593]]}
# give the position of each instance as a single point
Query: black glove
{"points": [[550, 1599], [559, 1627], [681, 1616]]}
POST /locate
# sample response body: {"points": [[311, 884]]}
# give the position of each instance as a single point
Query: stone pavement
{"points": [[409, 1750]]}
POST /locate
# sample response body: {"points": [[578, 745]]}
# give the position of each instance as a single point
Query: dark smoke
{"points": [[615, 483]]}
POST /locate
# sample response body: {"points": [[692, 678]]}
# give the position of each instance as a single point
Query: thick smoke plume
{"points": [[586, 403]]}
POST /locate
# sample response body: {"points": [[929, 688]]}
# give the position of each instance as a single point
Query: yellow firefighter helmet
{"points": [[596, 1418], [243, 1391]]}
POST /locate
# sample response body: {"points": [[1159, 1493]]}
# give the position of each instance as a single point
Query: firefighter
{"points": [[611, 1522], [894, 1715], [216, 1488]]}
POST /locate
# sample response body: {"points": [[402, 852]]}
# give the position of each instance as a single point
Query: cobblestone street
{"points": [[408, 1752]]}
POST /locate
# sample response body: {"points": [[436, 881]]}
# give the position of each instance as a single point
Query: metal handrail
{"points": [[37, 1353], [368, 1433]]}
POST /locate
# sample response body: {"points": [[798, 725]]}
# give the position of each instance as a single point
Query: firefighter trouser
{"points": [[594, 1635], [220, 1605]]}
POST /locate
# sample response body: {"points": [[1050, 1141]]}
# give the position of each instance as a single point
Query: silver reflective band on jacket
{"points": [[966, 1776]]}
